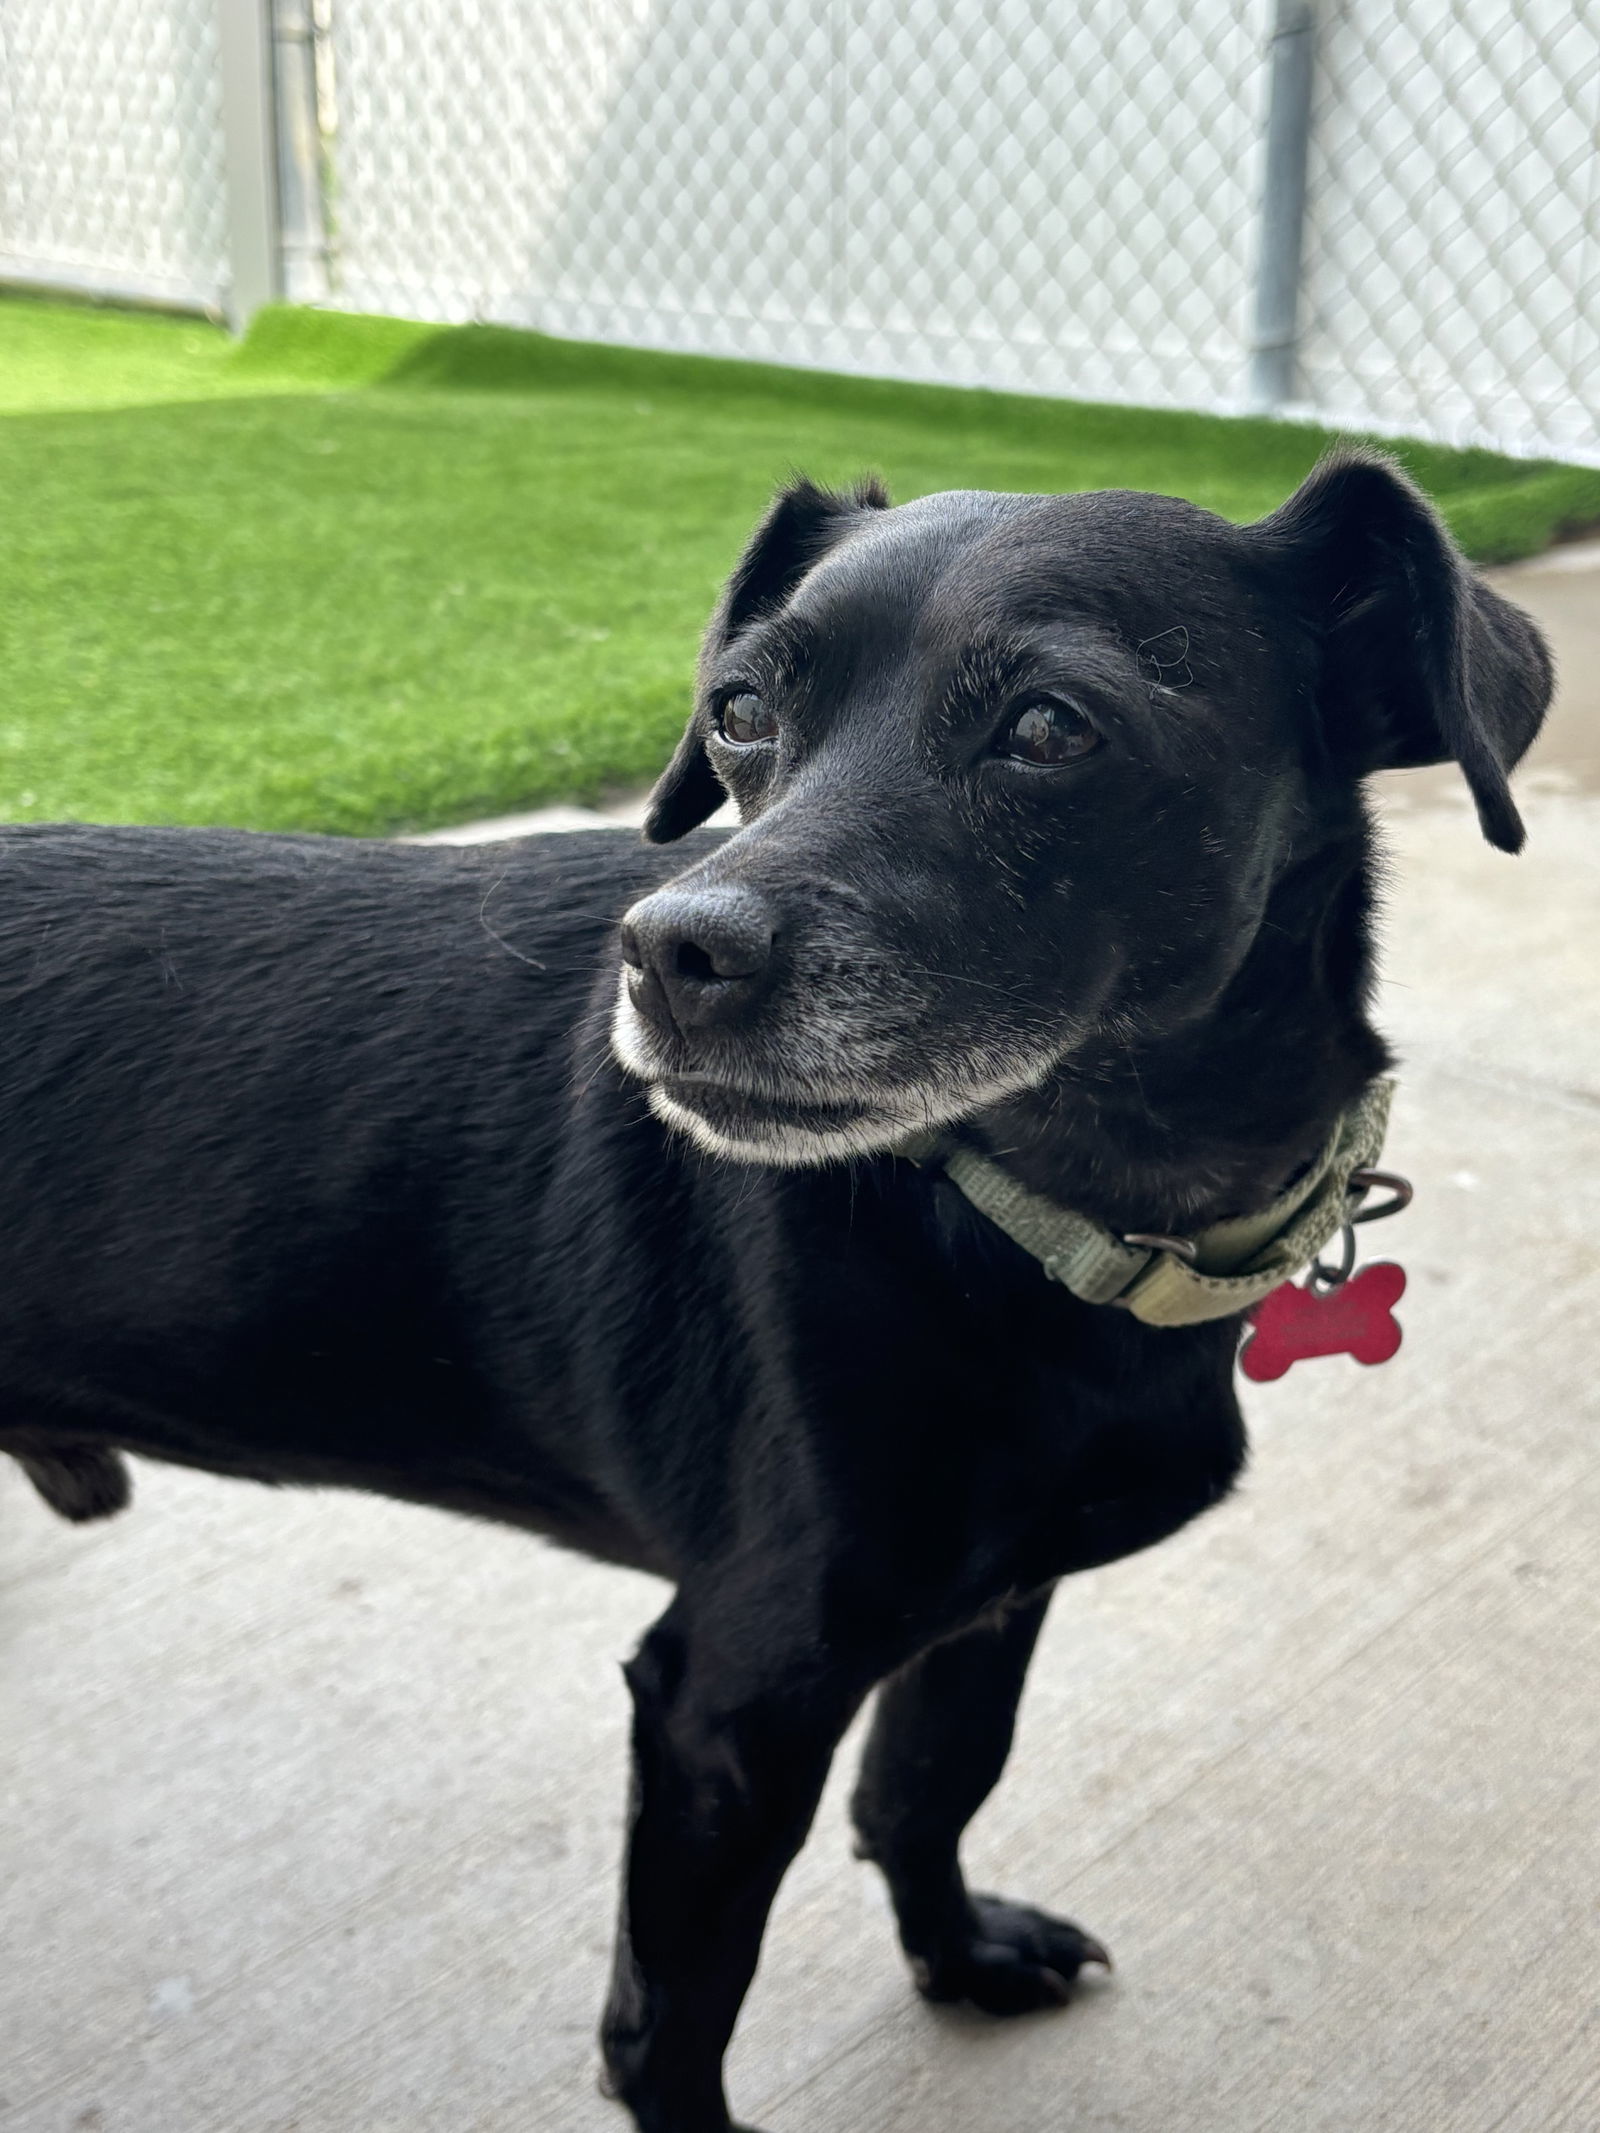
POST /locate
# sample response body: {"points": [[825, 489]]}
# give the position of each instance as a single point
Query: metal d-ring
{"points": [[1398, 1188], [1182, 1248], [1321, 1280]]}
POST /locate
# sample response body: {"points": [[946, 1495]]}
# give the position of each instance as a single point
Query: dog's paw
{"points": [[606, 2083], [1017, 1961]]}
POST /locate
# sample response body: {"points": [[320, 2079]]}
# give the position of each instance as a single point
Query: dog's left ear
{"points": [[1421, 662], [801, 525]]}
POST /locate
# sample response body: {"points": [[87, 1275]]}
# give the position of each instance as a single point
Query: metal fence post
{"points": [[249, 138], [1291, 62], [303, 233]]}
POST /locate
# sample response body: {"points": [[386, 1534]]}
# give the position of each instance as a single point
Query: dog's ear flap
{"points": [[800, 526], [687, 792], [1421, 662]]}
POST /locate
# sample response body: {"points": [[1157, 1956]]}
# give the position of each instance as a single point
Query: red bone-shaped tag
{"points": [[1357, 1318]]}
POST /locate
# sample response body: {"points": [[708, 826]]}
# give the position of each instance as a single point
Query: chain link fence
{"points": [[111, 148], [1026, 194], [996, 195], [1452, 281]]}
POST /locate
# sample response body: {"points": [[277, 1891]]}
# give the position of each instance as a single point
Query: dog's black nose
{"points": [[701, 955]]}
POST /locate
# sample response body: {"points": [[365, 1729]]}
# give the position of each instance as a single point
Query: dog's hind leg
{"points": [[80, 1481], [939, 1740], [732, 1741]]}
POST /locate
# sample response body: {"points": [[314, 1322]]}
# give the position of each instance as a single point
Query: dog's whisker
{"points": [[499, 939], [956, 977]]}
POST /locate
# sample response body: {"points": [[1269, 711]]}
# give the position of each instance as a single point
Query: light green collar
{"points": [[1235, 1263]]}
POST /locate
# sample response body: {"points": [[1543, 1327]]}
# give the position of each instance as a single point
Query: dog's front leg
{"points": [[730, 1752], [939, 1740]]}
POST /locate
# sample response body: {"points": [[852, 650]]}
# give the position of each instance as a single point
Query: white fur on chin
{"points": [[782, 1147], [919, 1109]]}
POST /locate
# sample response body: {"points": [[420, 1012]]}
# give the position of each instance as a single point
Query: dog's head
{"points": [[1016, 771]]}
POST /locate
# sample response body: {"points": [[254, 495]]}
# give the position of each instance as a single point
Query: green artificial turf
{"points": [[363, 575]]}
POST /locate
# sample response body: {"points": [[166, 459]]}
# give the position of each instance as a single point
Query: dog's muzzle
{"points": [[699, 1021]]}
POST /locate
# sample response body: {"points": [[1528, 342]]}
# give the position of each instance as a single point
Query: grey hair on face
{"points": [[891, 1109]]}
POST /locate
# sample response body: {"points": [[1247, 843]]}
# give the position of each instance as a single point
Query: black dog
{"points": [[318, 1163]]}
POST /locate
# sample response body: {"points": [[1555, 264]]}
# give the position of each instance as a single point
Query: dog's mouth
{"points": [[771, 1111], [727, 1120], [764, 1115]]}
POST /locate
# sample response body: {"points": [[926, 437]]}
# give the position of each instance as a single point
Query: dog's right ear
{"points": [[800, 527], [687, 792]]}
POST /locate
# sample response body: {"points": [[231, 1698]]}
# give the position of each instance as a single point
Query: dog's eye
{"points": [[743, 719], [1047, 730]]}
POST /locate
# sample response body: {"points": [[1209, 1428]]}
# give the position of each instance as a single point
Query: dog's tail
{"points": [[81, 1481]]}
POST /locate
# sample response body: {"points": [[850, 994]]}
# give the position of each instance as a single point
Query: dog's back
{"points": [[254, 1093]]}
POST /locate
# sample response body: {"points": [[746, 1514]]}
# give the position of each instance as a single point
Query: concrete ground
{"points": [[310, 1806]]}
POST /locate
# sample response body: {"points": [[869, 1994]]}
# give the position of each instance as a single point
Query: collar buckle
{"points": [[1167, 1280]]}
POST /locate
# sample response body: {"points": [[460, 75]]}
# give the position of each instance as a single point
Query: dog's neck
{"points": [[1175, 1132]]}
